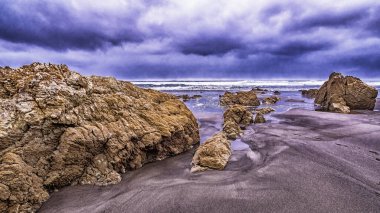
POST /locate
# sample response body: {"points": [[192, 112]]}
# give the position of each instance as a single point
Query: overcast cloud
{"points": [[132, 39]]}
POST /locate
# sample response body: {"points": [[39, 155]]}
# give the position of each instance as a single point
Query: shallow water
{"points": [[210, 114]]}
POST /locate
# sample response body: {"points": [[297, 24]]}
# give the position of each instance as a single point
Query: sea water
{"points": [[210, 114]]}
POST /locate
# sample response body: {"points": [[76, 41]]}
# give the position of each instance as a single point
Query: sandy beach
{"points": [[308, 161]]}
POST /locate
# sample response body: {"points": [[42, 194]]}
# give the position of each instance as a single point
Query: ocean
{"points": [[210, 114]]}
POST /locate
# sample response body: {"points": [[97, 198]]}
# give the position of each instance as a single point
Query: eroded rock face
{"points": [[310, 93], [212, 154], [342, 94], [236, 118], [271, 99], [59, 128], [245, 98]]}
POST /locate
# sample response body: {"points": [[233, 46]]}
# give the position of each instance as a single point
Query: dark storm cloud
{"points": [[55, 26], [298, 48], [167, 38], [205, 45], [328, 19]]}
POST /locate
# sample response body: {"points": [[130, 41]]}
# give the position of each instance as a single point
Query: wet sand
{"points": [[305, 162]]}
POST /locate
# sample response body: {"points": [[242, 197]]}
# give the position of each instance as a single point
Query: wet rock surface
{"points": [[265, 110], [188, 97], [58, 128], [245, 98], [344, 93], [259, 118]]}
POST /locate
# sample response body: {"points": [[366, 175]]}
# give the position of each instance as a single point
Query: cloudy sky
{"points": [[155, 39]]}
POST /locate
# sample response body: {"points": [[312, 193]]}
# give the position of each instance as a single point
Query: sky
{"points": [[171, 39]]}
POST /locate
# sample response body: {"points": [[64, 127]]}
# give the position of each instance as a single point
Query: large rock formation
{"points": [[245, 98], [342, 94], [59, 128]]}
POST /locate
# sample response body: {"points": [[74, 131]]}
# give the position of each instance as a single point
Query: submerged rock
{"points": [[59, 128], [187, 97], [342, 94], [295, 100], [271, 100], [245, 98], [277, 92], [236, 118], [212, 154], [310, 93], [259, 118]]}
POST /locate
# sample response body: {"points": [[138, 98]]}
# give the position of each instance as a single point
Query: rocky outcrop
{"points": [[216, 151], [271, 99], [59, 128], [245, 98], [265, 110], [342, 94], [212, 154], [236, 118], [259, 118], [310, 93]]}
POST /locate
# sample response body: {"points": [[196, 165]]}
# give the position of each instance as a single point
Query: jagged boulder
{"points": [[271, 99], [245, 98], [344, 93], [212, 154], [310, 93], [59, 128], [236, 117]]}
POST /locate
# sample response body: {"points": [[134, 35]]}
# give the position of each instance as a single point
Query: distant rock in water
{"points": [[58, 128], [295, 100], [245, 98], [276, 93], [271, 100], [187, 97], [310, 93], [342, 94]]}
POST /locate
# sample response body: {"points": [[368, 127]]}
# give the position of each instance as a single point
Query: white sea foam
{"points": [[283, 85]]}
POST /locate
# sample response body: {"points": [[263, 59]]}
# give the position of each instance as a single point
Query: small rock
{"points": [[259, 118], [245, 98], [310, 93], [212, 154], [271, 100]]}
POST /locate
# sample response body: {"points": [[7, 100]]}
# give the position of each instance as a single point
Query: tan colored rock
{"points": [[212, 154], [259, 118], [342, 94], [271, 99], [236, 117], [265, 110], [245, 98], [310, 93], [59, 128]]}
